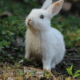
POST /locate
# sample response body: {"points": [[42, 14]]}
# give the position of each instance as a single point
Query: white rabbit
{"points": [[44, 43]]}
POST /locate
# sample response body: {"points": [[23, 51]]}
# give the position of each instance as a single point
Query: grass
{"points": [[74, 75]]}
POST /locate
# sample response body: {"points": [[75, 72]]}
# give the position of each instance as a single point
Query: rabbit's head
{"points": [[39, 19]]}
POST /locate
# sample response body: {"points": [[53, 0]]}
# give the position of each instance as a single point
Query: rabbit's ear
{"points": [[55, 8], [46, 4]]}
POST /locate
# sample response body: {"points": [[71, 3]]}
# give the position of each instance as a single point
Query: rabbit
{"points": [[42, 42]]}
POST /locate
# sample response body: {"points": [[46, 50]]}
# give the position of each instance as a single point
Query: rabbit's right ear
{"points": [[46, 4]]}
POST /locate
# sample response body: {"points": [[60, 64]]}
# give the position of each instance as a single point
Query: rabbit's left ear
{"points": [[46, 4], [55, 8]]}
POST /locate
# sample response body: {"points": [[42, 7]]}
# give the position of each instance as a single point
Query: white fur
{"points": [[46, 4], [43, 42]]}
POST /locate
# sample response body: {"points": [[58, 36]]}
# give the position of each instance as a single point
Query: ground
{"points": [[29, 71]]}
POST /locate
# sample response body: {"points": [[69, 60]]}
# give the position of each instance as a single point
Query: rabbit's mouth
{"points": [[30, 25]]}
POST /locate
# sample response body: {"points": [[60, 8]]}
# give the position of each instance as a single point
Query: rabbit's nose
{"points": [[29, 21]]}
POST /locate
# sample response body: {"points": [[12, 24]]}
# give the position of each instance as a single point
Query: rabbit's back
{"points": [[58, 41], [58, 46]]}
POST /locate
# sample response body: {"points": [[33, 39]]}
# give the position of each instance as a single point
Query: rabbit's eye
{"points": [[42, 16]]}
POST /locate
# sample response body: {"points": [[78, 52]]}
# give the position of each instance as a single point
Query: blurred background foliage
{"points": [[12, 26]]}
